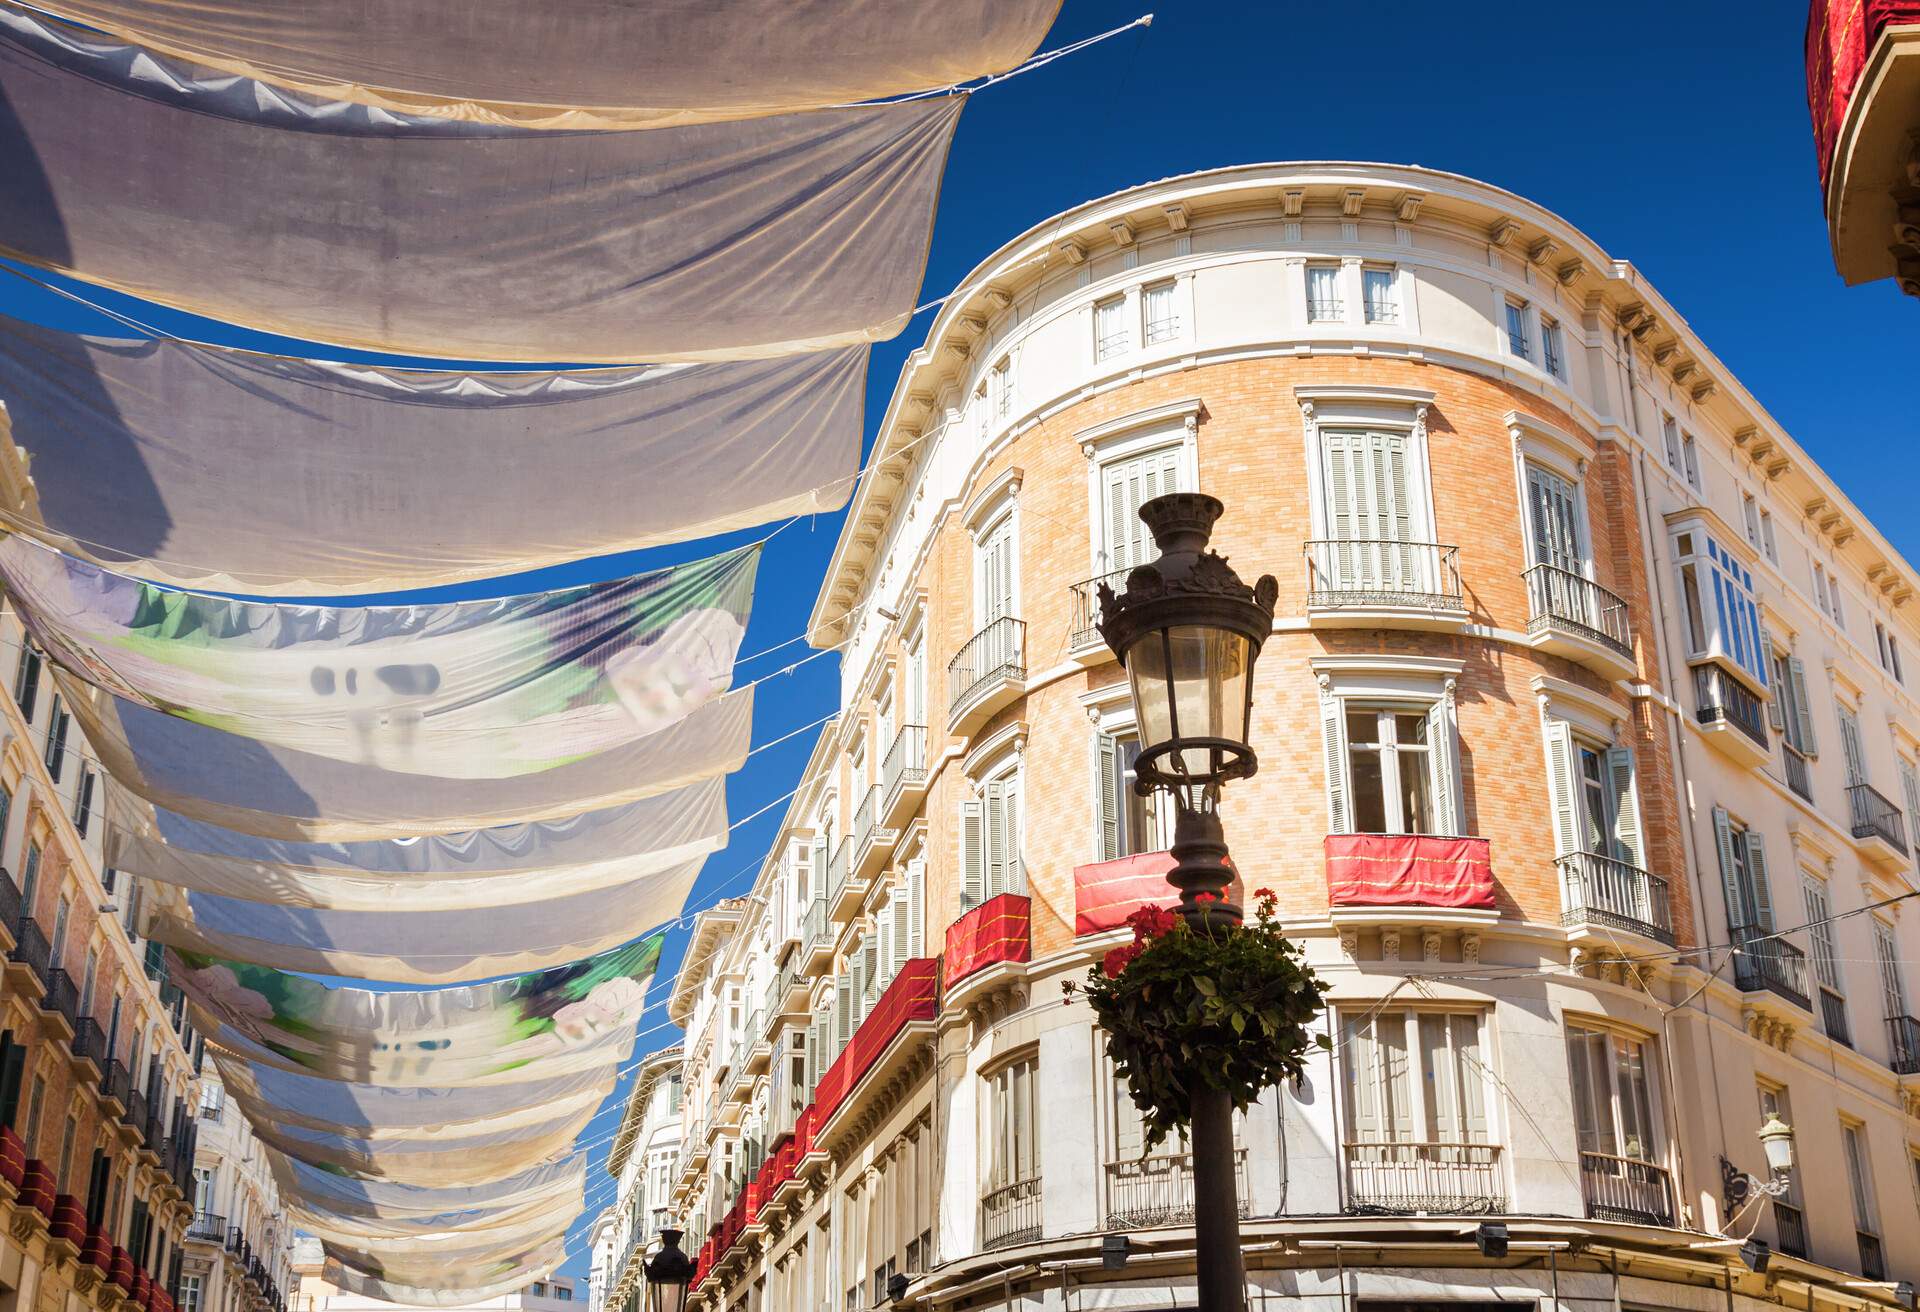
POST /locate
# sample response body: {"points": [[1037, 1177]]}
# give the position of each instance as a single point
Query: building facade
{"points": [[1863, 88], [1563, 611], [98, 1062], [312, 1293], [640, 1161], [239, 1250]]}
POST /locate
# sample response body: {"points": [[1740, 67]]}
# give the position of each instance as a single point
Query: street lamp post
{"points": [[1188, 631], [669, 1272]]}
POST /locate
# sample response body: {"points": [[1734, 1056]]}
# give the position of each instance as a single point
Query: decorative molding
{"points": [[1122, 231], [1502, 232], [1177, 216], [1543, 250], [1407, 208], [1390, 943], [1292, 200], [1351, 200], [1071, 247]]}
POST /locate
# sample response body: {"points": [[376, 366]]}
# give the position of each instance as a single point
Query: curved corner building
{"points": [[1585, 696]]}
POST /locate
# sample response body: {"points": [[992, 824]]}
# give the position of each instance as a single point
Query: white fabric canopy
{"points": [[442, 872], [397, 1205], [602, 61], [199, 467], [377, 1112], [276, 792], [485, 689], [471, 1160], [354, 1282], [456, 1258], [435, 238]]}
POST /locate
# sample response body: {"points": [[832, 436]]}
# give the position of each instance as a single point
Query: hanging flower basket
{"points": [[1220, 1005]]}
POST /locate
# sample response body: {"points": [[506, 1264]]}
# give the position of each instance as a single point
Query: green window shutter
{"points": [[1107, 790], [1623, 782], [1561, 784], [973, 856], [1333, 730], [1757, 874], [1737, 911]]}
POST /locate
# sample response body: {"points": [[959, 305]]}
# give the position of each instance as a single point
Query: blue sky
{"points": [[1676, 138]]}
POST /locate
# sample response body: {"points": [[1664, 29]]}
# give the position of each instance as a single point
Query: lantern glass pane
{"points": [[1190, 682]]}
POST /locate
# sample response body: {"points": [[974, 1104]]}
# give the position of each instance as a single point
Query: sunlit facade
{"points": [[1523, 633], [640, 1163]]}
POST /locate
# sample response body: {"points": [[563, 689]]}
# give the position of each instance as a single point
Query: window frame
{"points": [[1324, 309], [1410, 682], [1387, 275], [1518, 321], [1648, 1051], [1553, 356]]}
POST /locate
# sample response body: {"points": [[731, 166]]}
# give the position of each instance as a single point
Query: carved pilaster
{"points": [[1390, 943]]}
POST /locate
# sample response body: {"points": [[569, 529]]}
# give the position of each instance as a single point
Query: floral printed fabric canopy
{"points": [[435, 238], [637, 65], [196, 466]]}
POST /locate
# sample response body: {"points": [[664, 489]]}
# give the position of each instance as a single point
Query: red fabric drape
{"points": [[1840, 36], [1419, 870], [997, 930]]}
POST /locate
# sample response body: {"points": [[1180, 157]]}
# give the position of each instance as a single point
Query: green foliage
{"points": [[1217, 1004]]}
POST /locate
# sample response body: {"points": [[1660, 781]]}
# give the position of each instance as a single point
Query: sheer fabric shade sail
{"points": [[266, 475], [615, 63], [425, 237]]}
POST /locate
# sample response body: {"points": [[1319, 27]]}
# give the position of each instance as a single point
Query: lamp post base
{"points": [[1199, 854], [1221, 1270]]}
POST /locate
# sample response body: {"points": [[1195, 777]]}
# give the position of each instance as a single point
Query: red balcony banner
{"points": [[995, 931], [1841, 35], [1107, 892], [36, 1188], [13, 1158], [913, 995], [69, 1220], [1409, 870]]}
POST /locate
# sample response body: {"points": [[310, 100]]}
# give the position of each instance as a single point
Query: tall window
{"points": [[1001, 380], [990, 843], [1390, 762], [1850, 747], [1324, 304], [1126, 484], [189, 1294], [1552, 350], [1415, 1077], [1690, 459], [1382, 295], [86, 981], [1767, 541], [1750, 509], [1866, 1216], [1553, 515], [1910, 794], [1110, 336], [1614, 1108], [1792, 714], [1517, 342], [1826, 963], [62, 914], [83, 801], [1129, 823], [1371, 514], [56, 754], [1789, 1224], [1722, 613], [1670, 436], [1743, 874], [1157, 307], [1011, 1142], [26, 681], [993, 572], [1893, 987]]}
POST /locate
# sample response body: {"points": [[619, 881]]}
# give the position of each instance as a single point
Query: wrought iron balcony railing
{"points": [[1763, 963], [1799, 776], [1010, 1214], [1833, 1017], [996, 654], [1603, 891], [1360, 572], [31, 949], [1448, 1178], [1561, 597], [1873, 816], [1626, 1189], [1157, 1190], [207, 1227], [1903, 1045], [1083, 630], [62, 996], [1722, 699], [1873, 1262], [88, 1042], [905, 765], [1789, 1228]]}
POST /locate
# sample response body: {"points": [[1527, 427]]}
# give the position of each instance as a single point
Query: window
{"points": [[1750, 509], [1129, 823], [83, 801], [1595, 796], [1893, 988], [57, 739], [1826, 964], [26, 681], [213, 1100], [86, 981], [202, 1190], [64, 1176], [1767, 542], [1011, 1142], [6, 811], [1850, 747], [1323, 294], [1690, 458], [1125, 485], [1381, 293], [30, 876], [1552, 352], [1415, 1077], [1791, 717], [993, 572], [1553, 514], [1833, 599], [189, 1294], [1670, 434], [1866, 1217], [1743, 875], [62, 914], [1615, 1112], [1893, 659], [1371, 482], [35, 1100], [990, 842], [1397, 775], [1910, 794], [1723, 617], [1517, 343], [1790, 1225], [1001, 380], [1157, 307], [1110, 336]]}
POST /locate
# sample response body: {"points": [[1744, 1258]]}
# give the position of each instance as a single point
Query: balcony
{"points": [[1572, 616], [1157, 1190], [1382, 583], [1833, 1017], [1789, 1229], [31, 954], [1626, 1189], [986, 675], [1409, 870], [1765, 964], [1903, 1045], [10, 909], [1084, 643], [136, 1113], [116, 1084], [843, 894], [89, 1047], [816, 940], [207, 1228], [903, 775], [62, 998], [985, 944], [872, 840], [1010, 1215], [1878, 828], [1447, 1179], [787, 994], [1612, 895], [1799, 775], [1732, 716]]}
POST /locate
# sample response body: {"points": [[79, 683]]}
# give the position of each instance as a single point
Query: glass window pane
{"points": [[1416, 793], [1410, 730], [1369, 791], [1363, 726]]}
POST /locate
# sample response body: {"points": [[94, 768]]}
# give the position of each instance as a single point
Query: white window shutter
{"points": [[1442, 1080], [1623, 782], [1757, 872], [900, 918], [1802, 706], [973, 855], [996, 865], [917, 909], [1473, 1080], [1443, 761], [1560, 782], [1016, 865], [1333, 730], [842, 1010], [1107, 790], [1363, 1081], [1729, 873]]}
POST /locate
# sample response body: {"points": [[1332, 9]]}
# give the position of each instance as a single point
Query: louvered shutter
{"points": [[1396, 1081], [1892, 988], [1473, 1080], [842, 1010], [1560, 784], [1333, 733], [996, 864], [870, 960], [1850, 745], [1107, 789], [1023, 1126], [1363, 1081], [1397, 516], [1337, 461], [973, 855], [1757, 875], [1738, 910], [1130, 484], [901, 916], [1442, 1079], [1016, 865], [883, 935], [1802, 706], [916, 909], [1910, 792], [857, 992], [1777, 711], [1442, 763], [1623, 782], [1129, 1131]]}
